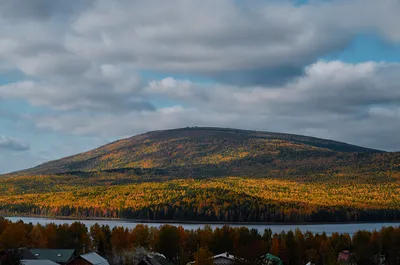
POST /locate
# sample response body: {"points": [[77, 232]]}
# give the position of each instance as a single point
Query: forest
{"points": [[229, 199], [181, 246], [218, 175]]}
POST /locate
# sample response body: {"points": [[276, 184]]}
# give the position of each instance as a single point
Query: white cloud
{"points": [[248, 43], [348, 102], [252, 37], [84, 60], [106, 87]]}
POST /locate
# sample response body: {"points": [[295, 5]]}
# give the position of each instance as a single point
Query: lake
{"points": [[276, 228]]}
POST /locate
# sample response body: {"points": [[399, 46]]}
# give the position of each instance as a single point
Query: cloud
{"points": [[104, 87], [81, 63], [39, 9], [257, 43], [11, 144], [355, 103], [265, 42], [331, 87]]}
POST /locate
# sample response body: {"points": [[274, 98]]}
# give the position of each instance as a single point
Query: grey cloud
{"points": [[104, 88], [331, 87], [51, 64], [275, 76], [246, 44], [11, 144], [373, 132], [264, 43], [39, 9], [355, 103], [84, 62], [243, 44], [26, 9]]}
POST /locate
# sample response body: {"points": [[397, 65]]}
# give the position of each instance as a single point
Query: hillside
{"points": [[198, 147], [213, 174]]}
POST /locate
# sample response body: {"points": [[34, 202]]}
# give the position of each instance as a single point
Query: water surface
{"points": [[276, 228]]}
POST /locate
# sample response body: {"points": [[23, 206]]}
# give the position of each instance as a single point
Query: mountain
{"points": [[197, 147], [213, 174]]}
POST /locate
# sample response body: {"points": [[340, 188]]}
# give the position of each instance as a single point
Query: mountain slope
{"points": [[197, 147], [213, 174]]}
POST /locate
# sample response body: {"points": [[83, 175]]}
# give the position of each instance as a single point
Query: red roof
{"points": [[344, 255]]}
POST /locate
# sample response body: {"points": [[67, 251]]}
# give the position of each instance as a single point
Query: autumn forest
{"points": [[213, 174], [181, 246]]}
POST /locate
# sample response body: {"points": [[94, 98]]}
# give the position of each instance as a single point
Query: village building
{"points": [[272, 260], [89, 259], [221, 259], [345, 258], [60, 256]]}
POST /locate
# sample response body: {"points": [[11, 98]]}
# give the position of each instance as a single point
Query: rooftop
{"points": [[56, 255], [225, 255], [95, 259]]}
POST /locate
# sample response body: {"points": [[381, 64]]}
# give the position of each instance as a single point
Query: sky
{"points": [[75, 75]]}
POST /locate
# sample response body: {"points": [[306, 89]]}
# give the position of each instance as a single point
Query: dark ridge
{"points": [[191, 145]]}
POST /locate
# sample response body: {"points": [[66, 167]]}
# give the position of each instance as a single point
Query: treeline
{"points": [[233, 214], [181, 246], [231, 199]]}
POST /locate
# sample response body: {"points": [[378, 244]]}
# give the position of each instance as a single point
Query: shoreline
{"points": [[180, 222]]}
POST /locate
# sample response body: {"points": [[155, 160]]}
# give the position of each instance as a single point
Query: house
{"points": [[26, 254], [143, 257], [158, 258], [89, 259], [221, 259], [224, 259], [344, 257], [60, 256], [154, 259], [26, 257], [272, 260]]}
